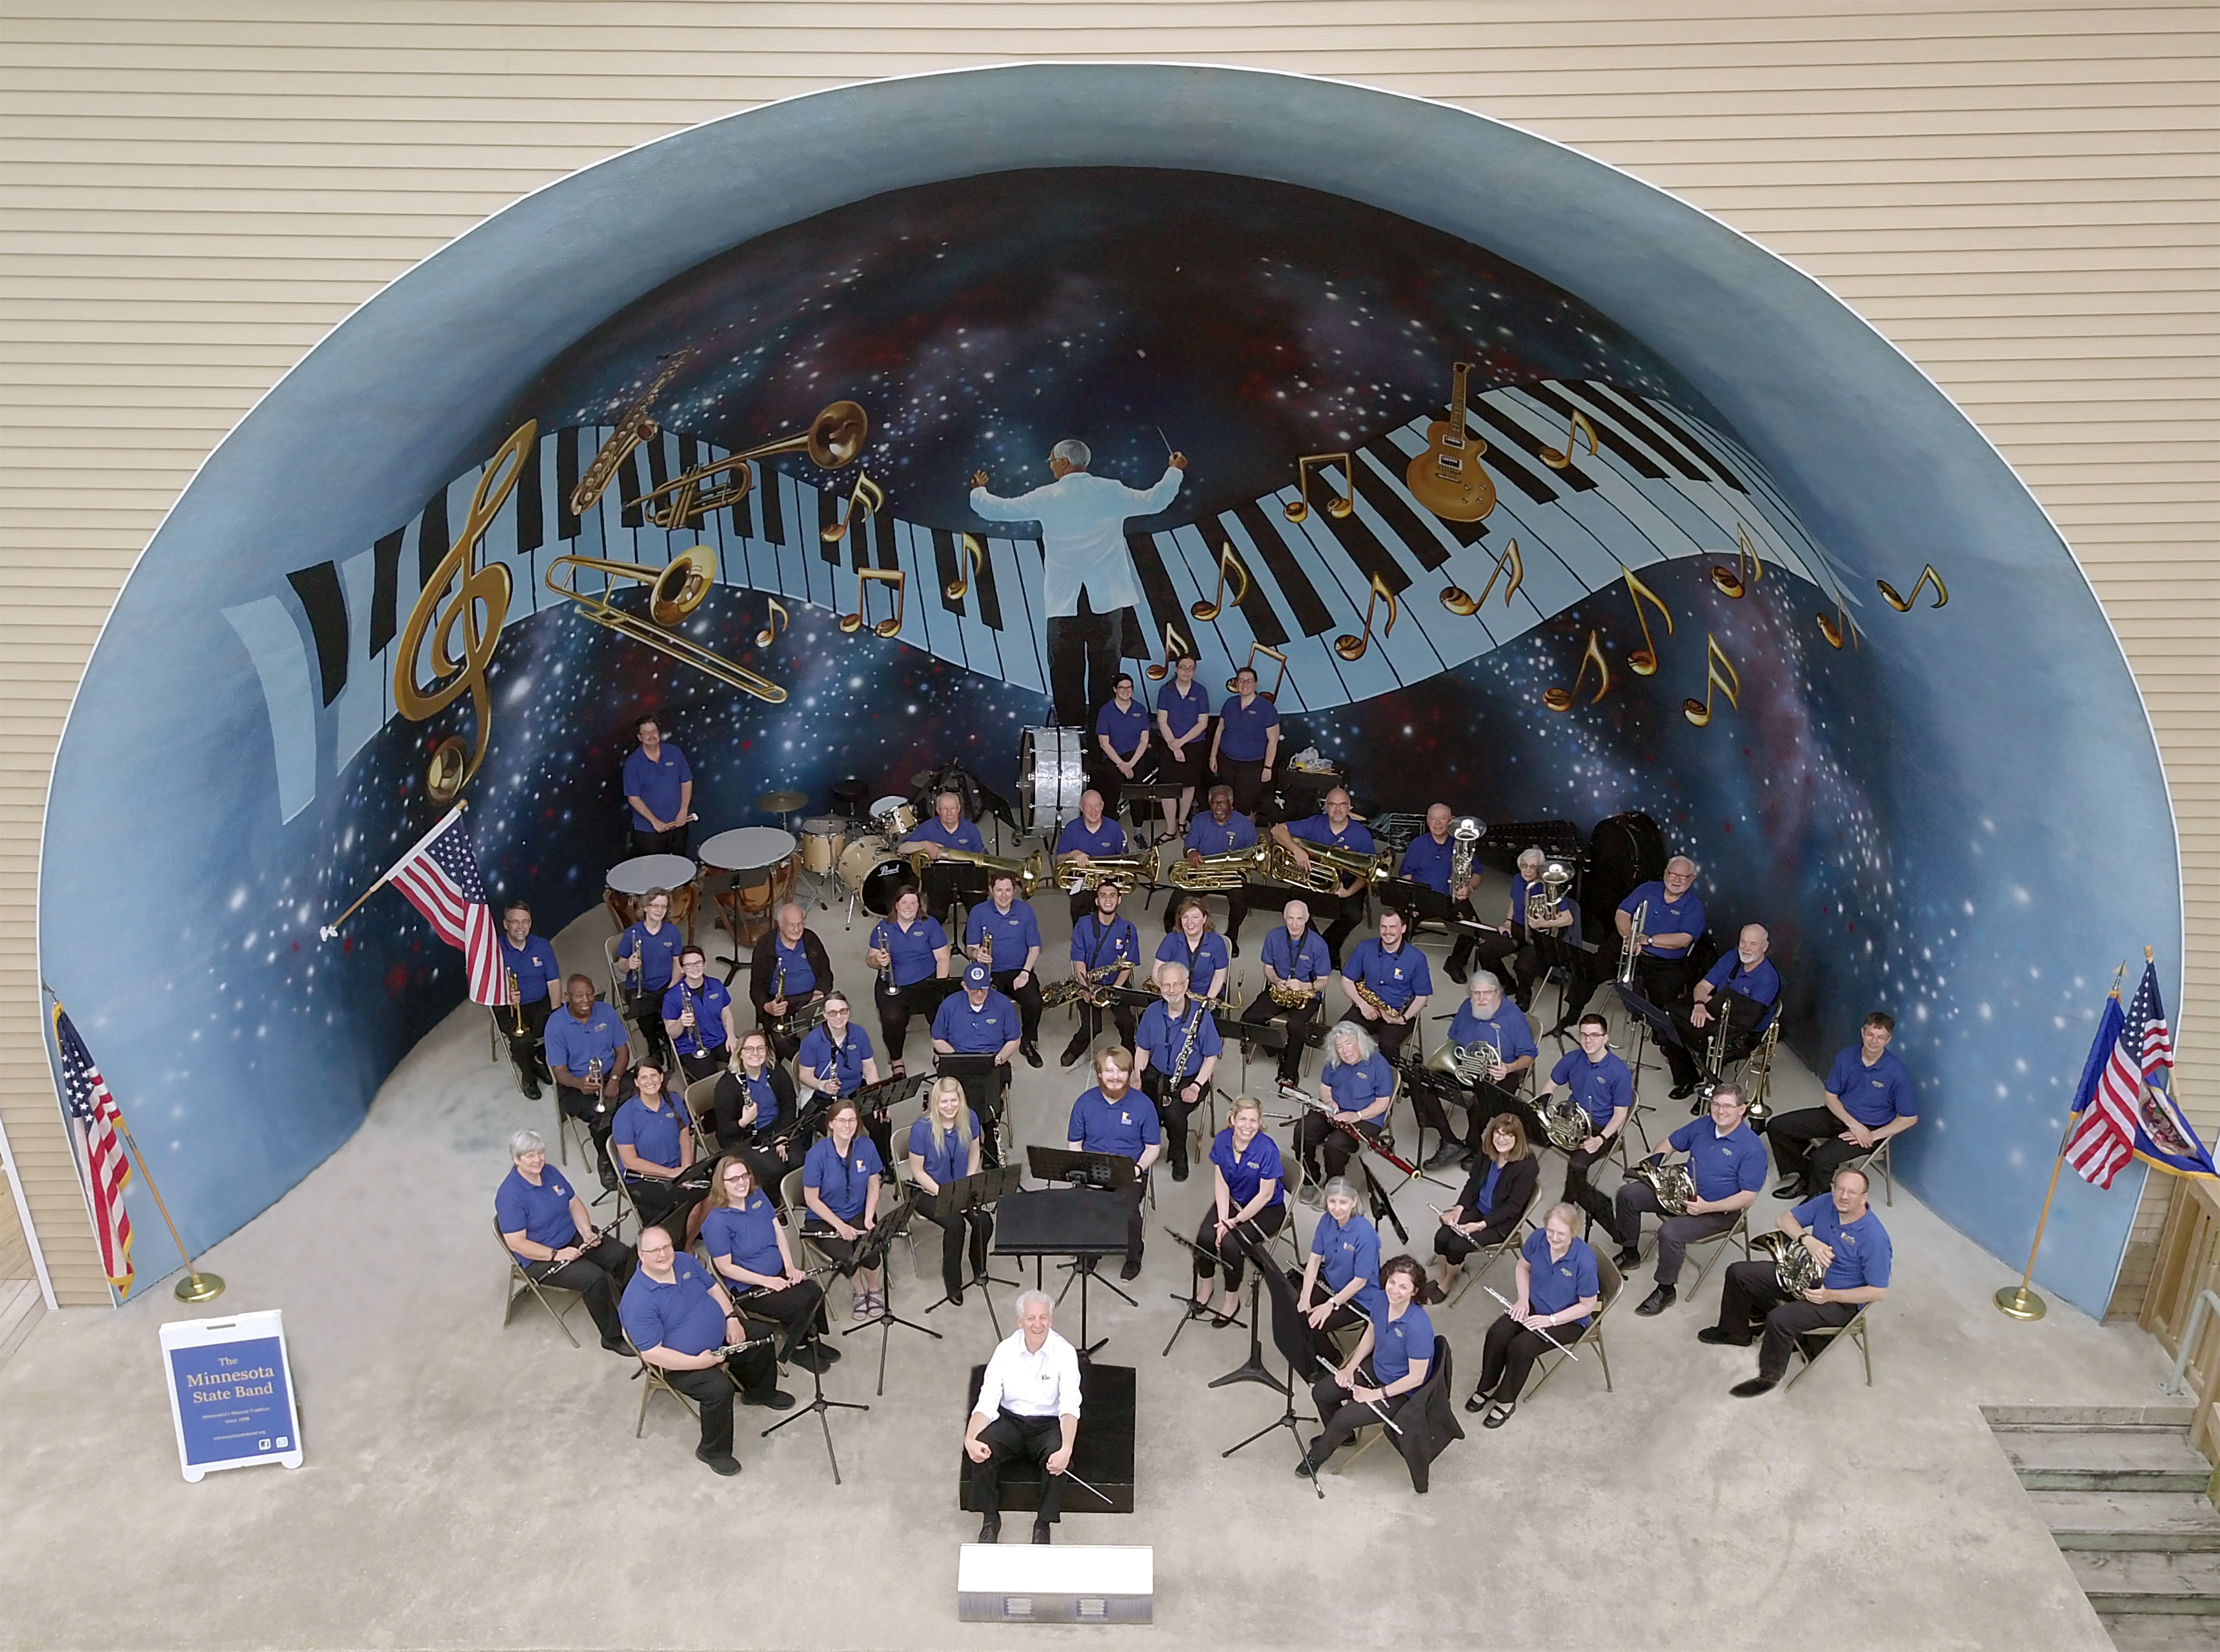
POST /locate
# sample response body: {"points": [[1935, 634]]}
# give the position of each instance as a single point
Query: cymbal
{"points": [[783, 802]]}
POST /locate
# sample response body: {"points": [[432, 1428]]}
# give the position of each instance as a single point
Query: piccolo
{"points": [[1542, 1331], [1376, 1407]]}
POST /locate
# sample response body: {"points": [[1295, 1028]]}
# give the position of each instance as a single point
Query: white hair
{"points": [[1366, 1044], [1531, 855], [527, 1141], [1171, 970], [1041, 1297], [1683, 860], [1072, 451], [1488, 975]]}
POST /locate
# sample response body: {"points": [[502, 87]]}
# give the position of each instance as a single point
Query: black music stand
{"points": [[955, 1197], [1070, 1222], [880, 1238], [1265, 1035], [1653, 1022], [980, 1075], [817, 1404], [1291, 1335], [1192, 1312], [1086, 1169]]}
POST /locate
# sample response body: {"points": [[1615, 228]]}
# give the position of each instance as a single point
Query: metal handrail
{"points": [[2174, 1387]]}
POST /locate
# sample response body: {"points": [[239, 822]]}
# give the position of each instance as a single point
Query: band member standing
{"points": [[588, 1053], [1599, 1082], [648, 954], [1086, 580], [1178, 1051], [653, 1146], [910, 952], [1672, 922], [1726, 1161], [1393, 972], [1484, 1019], [1340, 1280], [1013, 929], [1104, 950], [748, 1248], [1494, 1202], [1741, 989], [545, 1223], [1359, 1086], [1869, 1099], [1536, 933], [980, 1021], [1560, 1290], [944, 1147], [1220, 830], [697, 1014], [1115, 1118], [1333, 827], [1092, 835], [840, 1186], [946, 830], [1426, 863], [791, 958], [658, 783], [1295, 962], [835, 1058], [1028, 1406], [681, 1321], [1246, 745], [1182, 721], [534, 983], [1121, 739], [1400, 1339], [753, 1101], [1249, 1205], [1195, 945], [1846, 1238]]}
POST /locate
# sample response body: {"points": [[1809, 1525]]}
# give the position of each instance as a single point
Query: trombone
{"points": [[834, 438], [677, 591]]}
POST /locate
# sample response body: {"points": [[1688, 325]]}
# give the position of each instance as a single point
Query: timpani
{"points": [[625, 887]]}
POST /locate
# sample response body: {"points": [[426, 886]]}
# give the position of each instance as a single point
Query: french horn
{"points": [[1795, 1270]]}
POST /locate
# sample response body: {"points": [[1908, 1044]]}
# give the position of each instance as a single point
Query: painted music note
{"points": [[970, 547], [1464, 603], [1557, 460], [867, 497], [1903, 604], [851, 623], [1562, 699], [1299, 507], [1836, 629], [1228, 566], [1352, 648], [1250, 664], [1162, 668], [1643, 662], [1749, 567], [774, 622], [1698, 712]]}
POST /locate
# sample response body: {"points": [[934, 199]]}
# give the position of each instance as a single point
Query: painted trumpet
{"points": [[677, 591], [834, 438]]}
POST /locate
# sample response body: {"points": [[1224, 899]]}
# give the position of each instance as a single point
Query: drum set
{"points": [[867, 864]]}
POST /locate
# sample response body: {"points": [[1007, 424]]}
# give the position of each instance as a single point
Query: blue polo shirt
{"points": [[1126, 1126], [1428, 862], [1553, 1286], [1206, 837], [710, 999], [1681, 916], [1359, 1085], [654, 1136], [1397, 977], [680, 1316], [1600, 1087], [534, 966], [1101, 947], [1520, 888], [952, 1160], [1162, 1037], [769, 1113], [1203, 961], [1242, 729], [799, 978], [1184, 712], [745, 1235], [1348, 1251], [1125, 728], [842, 1180], [1761, 985], [1507, 1031], [818, 1056], [1396, 1343], [656, 782], [979, 1032], [578, 1045], [964, 835], [658, 954], [1309, 962], [1318, 829], [1250, 1169], [1108, 839], [1862, 1252], [909, 952], [1015, 931], [1873, 1095], [542, 1214], [1722, 1166]]}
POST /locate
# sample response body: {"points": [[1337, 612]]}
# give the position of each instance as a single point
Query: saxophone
{"points": [[1366, 995], [1794, 1267]]}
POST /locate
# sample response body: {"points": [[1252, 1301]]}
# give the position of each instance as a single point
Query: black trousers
{"points": [[1090, 1022], [1028, 998], [599, 1274], [666, 1203], [1583, 1192], [672, 842], [1807, 1144], [1340, 1320], [645, 1009], [1453, 1246], [1689, 1058], [1390, 1036], [1460, 947], [1753, 1288], [1508, 1355], [1482, 1102], [1663, 982], [1174, 1113], [977, 1222], [597, 1115], [527, 1052], [1299, 1022], [1246, 777], [1335, 918], [1083, 652], [793, 1310], [1316, 1137], [1034, 1438], [1342, 1416], [756, 1371], [712, 1060], [1106, 778], [1240, 1249], [1675, 1233], [897, 1006]]}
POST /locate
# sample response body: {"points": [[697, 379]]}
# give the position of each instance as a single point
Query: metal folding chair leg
{"points": [[1718, 1245], [1857, 1330]]}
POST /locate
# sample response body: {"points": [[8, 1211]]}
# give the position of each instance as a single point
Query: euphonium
{"points": [[1126, 871], [678, 590], [1330, 867], [1465, 834], [1468, 1064], [1219, 872], [1026, 874], [1672, 1184], [834, 438], [1794, 1267], [1545, 898]]}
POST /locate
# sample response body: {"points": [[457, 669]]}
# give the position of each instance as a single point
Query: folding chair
{"points": [[1413, 1414], [609, 945], [1716, 1245], [1477, 1265], [700, 1110], [657, 1383], [521, 1283], [1878, 1159], [1608, 1287], [1827, 1335]]}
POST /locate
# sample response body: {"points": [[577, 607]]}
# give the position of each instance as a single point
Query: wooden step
{"points": [[21, 1308], [2176, 1522], [2119, 1581], [2157, 1631], [2013, 1419], [2118, 1460]]}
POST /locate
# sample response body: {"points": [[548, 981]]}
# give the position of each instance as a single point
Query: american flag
{"points": [[108, 1169], [2147, 1034], [2129, 1047], [440, 876]]}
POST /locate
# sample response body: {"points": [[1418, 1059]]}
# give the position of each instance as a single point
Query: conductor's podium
{"points": [[1101, 1455]]}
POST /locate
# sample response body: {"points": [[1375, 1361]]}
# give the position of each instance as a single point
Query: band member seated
{"points": [[1115, 1118], [1392, 972], [1121, 742], [754, 1101], [697, 1016], [1195, 945], [1091, 836], [947, 830], [653, 1145], [1533, 939], [1869, 1099], [1296, 966], [658, 783], [1340, 1280], [1333, 827], [1426, 863], [835, 1058], [944, 1147], [680, 1322], [791, 959], [1741, 990], [1104, 950], [1178, 1051], [1672, 922], [1183, 750], [1248, 1206], [588, 1052], [1494, 1200], [1483, 1020], [535, 986], [1599, 1082], [647, 952], [1004, 934], [1846, 1238], [910, 952], [1245, 744], [1559, 1291], [748, 1248], [1028, 1406], [1400, 1339], [840, 1186], [1726, 1161], [1221, 830], [980, 1021], [1359, 1086], [545, 1223]]}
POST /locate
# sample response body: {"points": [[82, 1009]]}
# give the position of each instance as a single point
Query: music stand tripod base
{"points": [[819, 1404]]}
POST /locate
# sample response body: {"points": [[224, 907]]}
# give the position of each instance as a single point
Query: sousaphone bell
{"points": [[834, 438]]}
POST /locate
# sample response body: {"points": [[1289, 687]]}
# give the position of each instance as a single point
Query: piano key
{"points": [[1651, 512], [361, 709], [915, 597], [1190, 554], [1022, 622], [384, 600], [530, 521], [1312, 668], [1672, 424], [1510, 457], [796, 557], [568, 463], [1303, 600], [1164, 603], [1416, 599], [1260, 619], [1429, 538], [281, 662], [629, 489], [1374, 672], [942, 621], [1603, 403], [1609, 433], [770, 517], [432, 543], [318, 589]]}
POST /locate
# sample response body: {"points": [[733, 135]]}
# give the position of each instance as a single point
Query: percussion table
{"points": [[625, 887], [760, 871]]}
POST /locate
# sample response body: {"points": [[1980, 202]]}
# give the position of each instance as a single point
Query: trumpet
{"points": [[1221, 872], [1631, 947], [1126, 871], [1330, 867], [516, 999], [1794, 1267], [677, 591], [834, 438], [1026, 874]]}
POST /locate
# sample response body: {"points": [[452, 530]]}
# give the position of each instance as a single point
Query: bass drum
{"points": [[883, 886], [858, 860], [1051, 776]]}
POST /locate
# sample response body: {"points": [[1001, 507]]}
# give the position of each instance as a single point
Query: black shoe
{"points": [[1751, 1389], [1131, 1270], [720, 1463], [1433, 1295], [531, 1089], [776, 1399], [1234, 947], [1179, 1173], [1499, 1413], [1041, 1529], [1307, 1470], [1719, 1338], [1657, 1301], [1627, 1257], [1033, 1055], [1074, 1051], [615, 1344], [1682, 1092], [1449, 1155], [1479, 1402], [990, 1529], [814, 1357], [956, 1296], [1791, 1189]]}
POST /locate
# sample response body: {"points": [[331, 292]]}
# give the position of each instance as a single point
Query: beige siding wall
{"points": [[2020, 195]]}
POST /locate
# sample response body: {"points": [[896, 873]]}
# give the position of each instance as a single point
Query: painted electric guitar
{"points": [[1447, 478]]}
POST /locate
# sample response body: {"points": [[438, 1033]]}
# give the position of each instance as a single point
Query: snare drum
{"points": [[625, 887], [823, 837], [894, 818]]}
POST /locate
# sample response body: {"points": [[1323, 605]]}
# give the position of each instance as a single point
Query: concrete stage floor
{"points": [[468, 1484]]}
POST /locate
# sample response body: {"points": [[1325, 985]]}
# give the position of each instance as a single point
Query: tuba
{"points": [[1672, 1184], [1468, 1064], [1220, 873], [1794, 1268], [677, 591], [1126, 871], [1330, 867], [834, 438], [1465, 834], [1026, 874], [1546, 898]]}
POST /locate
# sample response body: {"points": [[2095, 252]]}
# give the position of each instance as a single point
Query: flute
{"points": [[1376, 1408], [1542, 1331]]}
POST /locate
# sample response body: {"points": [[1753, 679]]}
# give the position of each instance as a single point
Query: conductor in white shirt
{"points": [[1028, 1407], [1088, 582]]}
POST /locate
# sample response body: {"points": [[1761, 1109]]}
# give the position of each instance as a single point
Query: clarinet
{"points": [[1179, 1062]]}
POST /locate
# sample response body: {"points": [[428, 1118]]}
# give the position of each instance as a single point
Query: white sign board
{"points": [[231, 1392]]}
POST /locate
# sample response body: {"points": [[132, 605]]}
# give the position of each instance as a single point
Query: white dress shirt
{"points": [[1026, 1384], [1082, 523]]}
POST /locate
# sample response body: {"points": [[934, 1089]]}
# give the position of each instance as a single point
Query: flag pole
{"points": [[332, 928], [2020, 1302]]}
